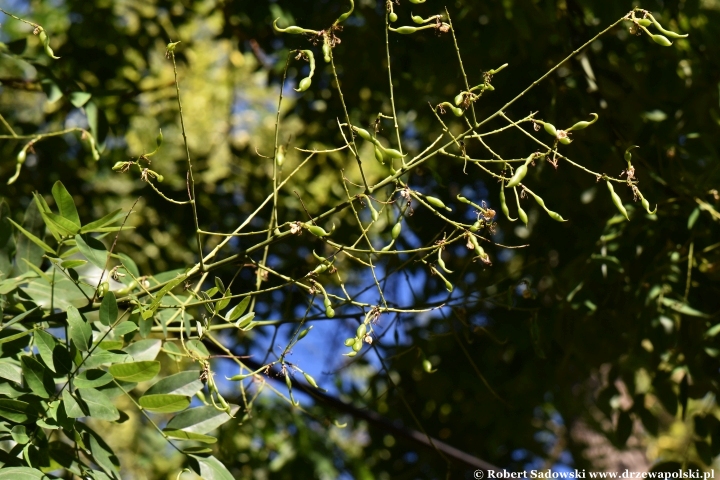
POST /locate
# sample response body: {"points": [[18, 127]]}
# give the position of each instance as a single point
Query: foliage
{"points": [[347, 212]]}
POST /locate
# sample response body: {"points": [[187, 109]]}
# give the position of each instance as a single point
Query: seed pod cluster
{"points": [[305, 83], [663, 39], [381, 153], [362, 334], [479, 251], [617, 201]]}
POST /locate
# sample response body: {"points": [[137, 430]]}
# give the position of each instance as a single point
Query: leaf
{"points": [[92, 378], [238, 309], [182, 435], [101, 451], [136, 371], [129, 264], [22, 473], [104, 357], [93, 249], [10, 371], [44, 246], [107, 219], [72, 407], [201, 419], [16, 410], [78, 99], [198, 348], [15, 336], [45, 343], [683, 308], [98, 404], [80, 330], [62, 294], [61, 360], [164, 403], [124, 328], [245, 320], [183, 383], [108, 309], [36, 377], [143, 350], [6, 240], [18, 318], [61, 225], [210, 468], [26, 248], [73, 263]]}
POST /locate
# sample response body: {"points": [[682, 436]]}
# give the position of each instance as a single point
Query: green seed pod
{"points": [[565, 140], [393, 17], [21, 156], [304, 84], [391, 152], [463, 199], [550, 128], [159, 178], [288, 382], [310, 380], [522, 215], [406, 30], [667, 32], [118, 166], [644, 22], [349, 341], [379, 155], [646, 204], [103, 289], [397, 228], [476, 226], [294, 30], [326, 49], [307, 81], [496, 70], [459, 98], [364, 134], [280, 157], [361, 330], [503, 204], [351, 354], [317, 231], [581, 125], [427, 366], [555, 216], [520, 172], [441, 262], [448, 286], [345, 15], [417, 19], [46, 44], [329, 312], [357, 346], [320, 269], [388, 246], [437, 203], [617, 200], [628, 155], [417, 1], [661, 40], [302, 334], [159, 139], [373, 213], [458, 112]]}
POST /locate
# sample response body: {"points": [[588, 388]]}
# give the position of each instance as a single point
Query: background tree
{"points": [[592, 346]]}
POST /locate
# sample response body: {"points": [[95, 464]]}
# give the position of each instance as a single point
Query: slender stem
{"points": [[191, 179], [7, 125], [462, 67], [34, 25], [390, 81]]}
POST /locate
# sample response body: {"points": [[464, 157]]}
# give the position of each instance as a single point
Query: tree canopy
{"points": [[358, 239]]}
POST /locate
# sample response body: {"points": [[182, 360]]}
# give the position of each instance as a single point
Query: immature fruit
{"points": [[583, 124], [317, 231], [395, 233], [667, 32], [661, 40], [436, 202], [379, 155], [520, 172], [522, 215], [550, 128], [392, 17], [617, 200], [503, 204]]}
